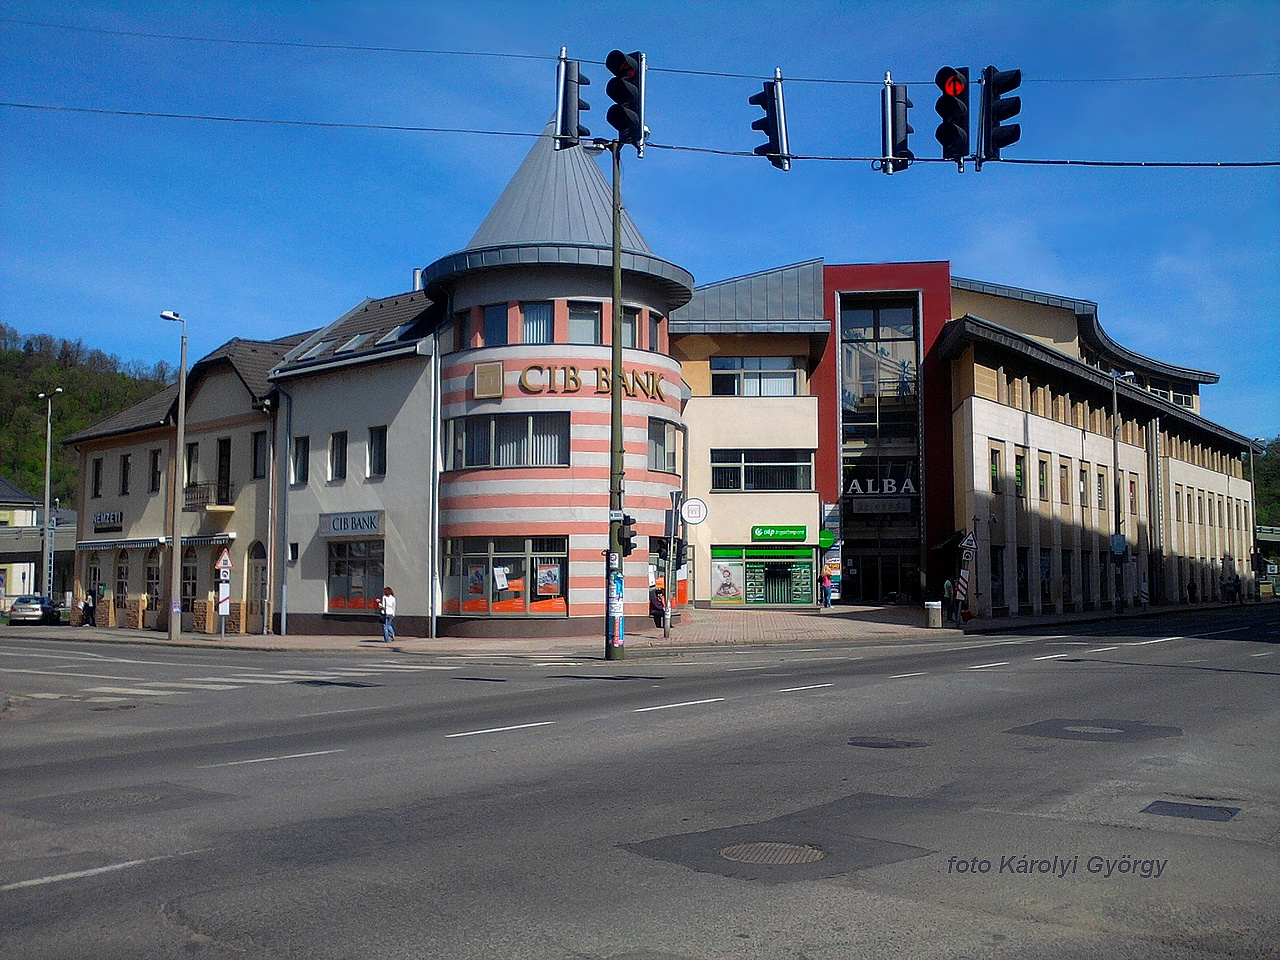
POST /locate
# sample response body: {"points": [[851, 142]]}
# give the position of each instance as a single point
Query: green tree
{"points": [[1266, 489], [95, 385]]}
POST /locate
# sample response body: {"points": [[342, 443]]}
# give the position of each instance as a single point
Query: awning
{"points": [[216, 540], [119, 544]]}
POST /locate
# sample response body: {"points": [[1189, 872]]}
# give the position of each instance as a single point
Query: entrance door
{"points": [[777, 583], [257, 588]]}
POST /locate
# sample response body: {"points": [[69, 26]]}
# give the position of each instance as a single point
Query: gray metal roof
{"points": [[782, 300], [369, 331], [11, 495], [558, 209], [1091, 331]]}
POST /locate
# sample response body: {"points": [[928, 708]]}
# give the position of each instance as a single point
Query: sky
{"points": [[261, 230]]}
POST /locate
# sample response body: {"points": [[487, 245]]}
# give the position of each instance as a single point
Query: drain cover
{"points": [[109, 801], [885, 743], [772, 854], [1191, 811]]}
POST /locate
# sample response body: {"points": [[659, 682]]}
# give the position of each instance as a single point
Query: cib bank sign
{"points": [[365, 523]]}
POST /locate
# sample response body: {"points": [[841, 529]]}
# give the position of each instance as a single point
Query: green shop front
{"points": [[776, 569]]}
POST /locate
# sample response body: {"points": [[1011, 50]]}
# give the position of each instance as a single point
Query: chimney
{"points": [[417, 279]]}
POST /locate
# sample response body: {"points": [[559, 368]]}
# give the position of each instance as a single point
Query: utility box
{"points": [[934, 610]]}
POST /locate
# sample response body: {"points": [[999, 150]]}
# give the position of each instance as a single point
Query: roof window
{"points": [[318, 349], [355, 342], [396, 334]]}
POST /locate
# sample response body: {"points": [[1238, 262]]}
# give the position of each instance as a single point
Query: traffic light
{"points": [[895, 155], [659, 547], [997, 108], [569, 78], [953, 109], [627, 535], [626, 90], [679, 560], [773, 124]]}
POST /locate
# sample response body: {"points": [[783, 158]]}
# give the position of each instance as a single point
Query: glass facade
{"points": [[880, 446], [355, 577], [506, 576]]}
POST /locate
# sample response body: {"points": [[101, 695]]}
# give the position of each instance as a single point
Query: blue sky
{"points": [[258, 231]]}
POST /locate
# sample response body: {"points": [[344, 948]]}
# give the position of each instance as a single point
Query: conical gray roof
{"points": [[557, 196], [557, 209]]}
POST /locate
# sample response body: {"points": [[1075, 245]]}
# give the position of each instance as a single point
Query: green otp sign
{"points": [[761, 532]]}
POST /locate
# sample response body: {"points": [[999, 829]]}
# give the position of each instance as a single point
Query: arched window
{"points": [[122, 579], [153, 577], [188, 579], [257, 578]]}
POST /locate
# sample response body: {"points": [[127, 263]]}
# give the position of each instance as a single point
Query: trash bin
{"points": [[934, 610]]}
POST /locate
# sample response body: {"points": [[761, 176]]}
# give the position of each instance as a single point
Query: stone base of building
{"points": [[521, 627]]}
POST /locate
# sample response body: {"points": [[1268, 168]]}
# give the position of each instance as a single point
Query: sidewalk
{"points": [[698, 628]]}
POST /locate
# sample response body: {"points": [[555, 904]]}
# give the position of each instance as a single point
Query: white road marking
{"points": [[238, 680], [518, 726], [903, 676], [131, 691], [45, 696], [105, 699], [980, 666], [78, 874], [1052, 656], [686, 703], [1101, 649], [289, 756], [812, 686], [1143, 643], [191, 686], [60, 673], [1267, 654]]}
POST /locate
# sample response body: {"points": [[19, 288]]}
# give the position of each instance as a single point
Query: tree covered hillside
{"points": [[95, 385]]}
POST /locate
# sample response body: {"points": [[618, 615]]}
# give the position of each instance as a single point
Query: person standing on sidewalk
{"points": [[89, 610], [826, 590], [387, 604], [948, 595]]}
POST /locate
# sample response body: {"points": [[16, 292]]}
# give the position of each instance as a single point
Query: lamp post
{"points": [[1255, 554], [175, 530], [1117, 558], [46, 526]]}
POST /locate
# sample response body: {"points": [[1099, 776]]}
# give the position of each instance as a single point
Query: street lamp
{"points": [[46, 537], [175, 530], [1255, 554]]}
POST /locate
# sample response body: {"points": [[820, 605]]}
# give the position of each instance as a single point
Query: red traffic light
{"points": [[954, 85]]}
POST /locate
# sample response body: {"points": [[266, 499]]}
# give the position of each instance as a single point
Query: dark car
{"points": [[33, 609]]}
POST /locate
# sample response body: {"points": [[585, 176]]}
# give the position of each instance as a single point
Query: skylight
{"points": [[355, 342], [318, 349], [396, 334]]}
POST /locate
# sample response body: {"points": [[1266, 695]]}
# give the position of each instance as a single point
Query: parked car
{"points": [[33, 609]]}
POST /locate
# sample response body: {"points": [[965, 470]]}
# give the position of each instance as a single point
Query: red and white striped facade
{"points": [[566, 501]]}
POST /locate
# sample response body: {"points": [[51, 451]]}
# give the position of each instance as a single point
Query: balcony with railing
{"points": [[208, 497]]}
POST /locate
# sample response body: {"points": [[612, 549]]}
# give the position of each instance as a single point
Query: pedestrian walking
{"points": [[948, 599], [387, 604], [90, 611], [826, 590]]}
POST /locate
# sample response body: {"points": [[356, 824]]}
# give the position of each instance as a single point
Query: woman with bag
{"points": [[387, 604]]}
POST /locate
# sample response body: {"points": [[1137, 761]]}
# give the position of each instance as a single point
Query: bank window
{"points": [[355, 575], [338, 455], [495, 325], [662, 446], [301, 463], [997, 471], [630, 326], [508, 440], [506, 576], [753, 377], [536, 324], [584, 322], [377, 451], [155, 470], [259, 454], [655, 330], [761, 470], [125, 467]]}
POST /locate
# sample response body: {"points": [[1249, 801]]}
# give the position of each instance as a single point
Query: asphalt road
{"points": [[1058, 796]]}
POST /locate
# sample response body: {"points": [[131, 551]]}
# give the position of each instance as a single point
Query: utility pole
{"points": [[176, 485], [46, 526], [615, 581], [1117, 557]]}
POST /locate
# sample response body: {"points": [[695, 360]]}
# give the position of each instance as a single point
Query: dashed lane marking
{"points": [[1052, 656], [1101, 649], [812, 686], [684, 703], [1143, 643], [983, 666], [287, 756], [131, 691], [193, 686], [517, 726], [95, 871], [903, 676]]}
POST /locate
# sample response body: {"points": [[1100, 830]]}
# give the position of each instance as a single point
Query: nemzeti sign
{"points": [[366, 523]]}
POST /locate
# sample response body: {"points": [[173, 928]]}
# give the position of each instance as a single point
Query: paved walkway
{"points": [[698, 628]]}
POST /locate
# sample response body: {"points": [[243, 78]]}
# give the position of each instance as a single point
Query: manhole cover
{"points": [[772, 854], [109, 801], [885, 743]]}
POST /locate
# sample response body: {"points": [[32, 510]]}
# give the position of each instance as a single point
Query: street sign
{"points": [[224, 561], [968, 556], [615, 516], [969, 543], [224, 599], [694, 511], [1117, 544], [224, 576], [826, 539]]}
